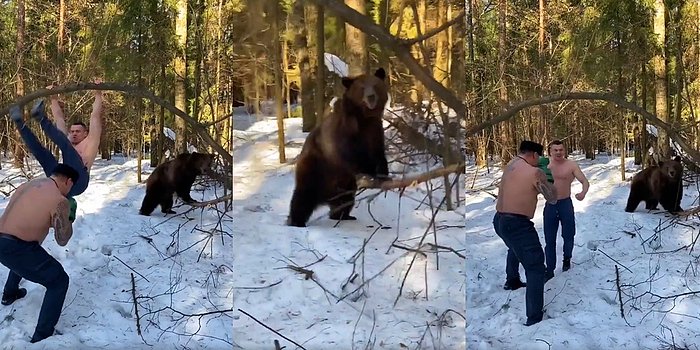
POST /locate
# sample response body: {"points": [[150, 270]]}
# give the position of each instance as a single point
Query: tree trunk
{"points": [[180, 67], [307, 92], [356, 43], [660, 83], [505, 128], [320, 87], [19, 87], [273, 14]]}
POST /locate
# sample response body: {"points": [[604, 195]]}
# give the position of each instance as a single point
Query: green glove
{"points": [[73, 208], [542, 164]]}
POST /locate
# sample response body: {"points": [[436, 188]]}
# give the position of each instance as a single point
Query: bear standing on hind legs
{"points": [[174, 176], [350, 141], [658, 184]]}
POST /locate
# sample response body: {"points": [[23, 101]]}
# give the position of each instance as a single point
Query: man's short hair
{"points": [[67, 171], [530, 146], [555, 142], [81, 124]]}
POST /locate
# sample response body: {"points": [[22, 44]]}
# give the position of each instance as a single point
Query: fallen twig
{"points": [[136, 305], [274, 331], [619, 291]]}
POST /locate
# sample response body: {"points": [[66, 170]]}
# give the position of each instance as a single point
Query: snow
{"points": [[99, 310], [307, 310], [582, 305], [335, 64]]}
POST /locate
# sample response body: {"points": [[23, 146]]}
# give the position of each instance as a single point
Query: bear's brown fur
{"points": [[174, 176], [658, 184], [348, 142]]}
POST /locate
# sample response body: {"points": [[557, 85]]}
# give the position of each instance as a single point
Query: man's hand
{"points": [[581, 196]]}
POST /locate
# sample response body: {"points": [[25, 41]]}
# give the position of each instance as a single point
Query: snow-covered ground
{"points": [[582, 305], [179, 269], [306, 308]]}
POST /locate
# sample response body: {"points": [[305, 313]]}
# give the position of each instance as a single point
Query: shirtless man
{"points": [[34, 207], [563, 171], [79, 152], [515, 206]]}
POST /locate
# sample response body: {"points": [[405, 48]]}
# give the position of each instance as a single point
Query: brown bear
{"points": [[174, 176], [658, 184], [349, 141]]}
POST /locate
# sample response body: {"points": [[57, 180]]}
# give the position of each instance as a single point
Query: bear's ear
{"points": [[677, 158], [380, 73], [347, 82]]}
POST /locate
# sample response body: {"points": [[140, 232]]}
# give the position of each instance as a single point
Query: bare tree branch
{"points": [[131, 90], [364, 181], [584, 95]]}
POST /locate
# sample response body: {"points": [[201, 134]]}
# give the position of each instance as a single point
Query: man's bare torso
{"points": [[517, 193], [86, 152], [28, 215], [563, 174]]}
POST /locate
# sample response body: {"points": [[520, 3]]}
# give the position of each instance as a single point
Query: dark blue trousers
{"points": [[562, 212], [46, 159], [30, 261], [519, 234]]}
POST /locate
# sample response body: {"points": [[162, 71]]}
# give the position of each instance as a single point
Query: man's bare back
{"points": [[32, 210], [520, 184]]}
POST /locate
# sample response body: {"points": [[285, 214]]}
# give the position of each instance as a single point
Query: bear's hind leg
{"points": [[166, 204], [652, 204], [341, 205]]}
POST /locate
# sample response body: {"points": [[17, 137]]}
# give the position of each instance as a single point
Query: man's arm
{"points": [[581, 177], [57, 111], [93, 138], [545, 187], [63, 228]]}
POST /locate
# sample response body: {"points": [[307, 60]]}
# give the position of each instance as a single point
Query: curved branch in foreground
{"points": [[584, 95], [131, 90], [364, 181]]}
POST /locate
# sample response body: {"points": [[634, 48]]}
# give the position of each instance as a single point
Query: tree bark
{"points": [[320, 87], [660, 82], [180, 67], [273, 14], [19, 84], [356, 43]]}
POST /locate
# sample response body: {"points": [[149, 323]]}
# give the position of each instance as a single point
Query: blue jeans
{"points": [[520, 236], [30, 261], [46, 159], [562, 212]]}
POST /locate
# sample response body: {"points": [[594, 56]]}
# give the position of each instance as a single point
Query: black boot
{"points": [[38, 112], [566, 265], [9, 299], [514, 284], [548, 275]]}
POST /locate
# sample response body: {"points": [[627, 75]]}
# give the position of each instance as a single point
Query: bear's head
{"points": [[673, 169], [369, 92], [200, 161]]}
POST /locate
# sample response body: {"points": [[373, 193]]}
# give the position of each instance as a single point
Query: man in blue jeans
{"points": [[34, 207], [520, 184], [564, 171]]}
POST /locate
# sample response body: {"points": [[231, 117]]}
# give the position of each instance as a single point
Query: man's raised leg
{"points": [[43, 155], [71, 157]]}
